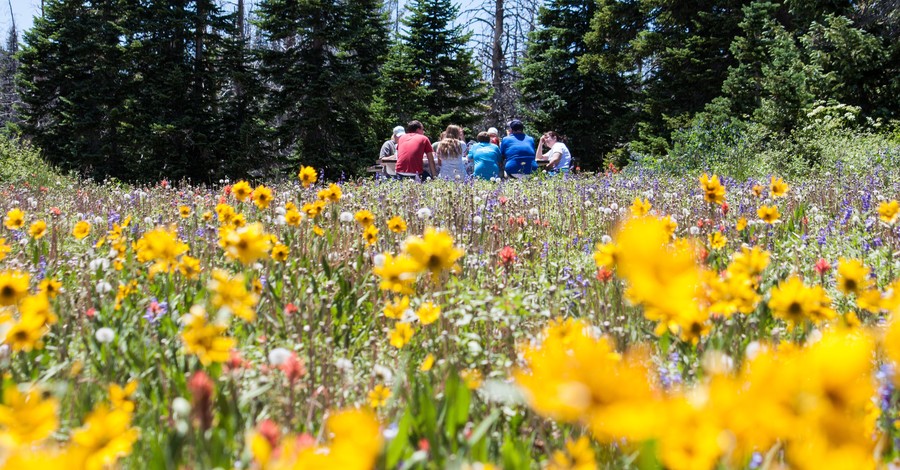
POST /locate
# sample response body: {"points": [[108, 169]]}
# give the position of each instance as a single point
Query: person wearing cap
{"points": [[411, 148], [494, 134], [389, 148], [518, 150]]}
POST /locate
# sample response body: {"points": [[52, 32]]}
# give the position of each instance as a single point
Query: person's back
{"points": [[518, 150], [486, 157], [451, 153], [411, 147]]}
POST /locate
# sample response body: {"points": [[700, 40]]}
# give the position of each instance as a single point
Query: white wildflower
{"points": [[278, 356], [105, 335]]}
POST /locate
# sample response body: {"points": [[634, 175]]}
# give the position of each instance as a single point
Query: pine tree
{"points": [[685, 46], [430, 74], [71, 77], [9, 94], [177, 78], [321, 73], [587, 104]]}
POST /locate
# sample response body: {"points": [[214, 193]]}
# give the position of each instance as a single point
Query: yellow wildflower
{"points": [[370, 235], [241, 190], [717, 240], [50, 287], [13, 287], [81, 230], [262, 197], [206, 340], [364, 218], [888, 211], [231, 292], [307, 176], [26, 418], [247, 244], [120, 397], [38, 229], [852, 276], [713, 190], [379, 396], [15, 219], [434, 251], [428, 313], [777, 188], [640, 208], [398, 274], [427, 363], [280, 253], [768, 214], [185, 212], [396, 224], [396, 308], [106, 437], [400, 335]]}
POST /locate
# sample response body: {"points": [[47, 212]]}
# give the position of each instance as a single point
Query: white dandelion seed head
{"points": [[753, 350], [614, 206], [694, 230], [278, 356], [383, 373], [105, 335], [181, 408], [378, 259], [343, 365], [423, 213], [606, 239], [103, 287], [101, 264], [534, 211], [346, 217], [477, 220]]}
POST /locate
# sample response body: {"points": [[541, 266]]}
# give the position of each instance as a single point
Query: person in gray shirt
{"points": [[389, 148]]}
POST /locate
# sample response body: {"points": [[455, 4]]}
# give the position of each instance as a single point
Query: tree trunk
{"points": [[497, 61]]}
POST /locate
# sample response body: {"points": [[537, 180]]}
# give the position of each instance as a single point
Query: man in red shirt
{"points": [[411, 148]]}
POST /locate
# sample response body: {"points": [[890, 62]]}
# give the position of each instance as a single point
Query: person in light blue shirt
{"points": [[518, 150], [485, 156], [560, 159]]}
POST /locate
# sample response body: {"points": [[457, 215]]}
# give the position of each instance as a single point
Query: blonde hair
{"points": [[451, 141]]}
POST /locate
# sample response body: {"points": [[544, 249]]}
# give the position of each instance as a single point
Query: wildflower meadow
{"points": [[615, 320]]}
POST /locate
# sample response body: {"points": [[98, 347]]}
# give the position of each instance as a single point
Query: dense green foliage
{"points": [[143, 91], [429, 74], [672, 67]]}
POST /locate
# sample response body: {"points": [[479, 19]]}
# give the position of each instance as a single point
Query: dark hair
{"points": [[516, 125], [483, 137], [414, 126], [558, 137]]}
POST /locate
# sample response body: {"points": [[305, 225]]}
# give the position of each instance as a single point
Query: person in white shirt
{"points": [[560, 159]]}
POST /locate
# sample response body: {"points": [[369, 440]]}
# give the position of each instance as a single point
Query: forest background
{"points": [[142, 90]]}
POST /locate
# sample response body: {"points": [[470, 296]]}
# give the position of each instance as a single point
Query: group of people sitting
{"points": [[488, 157]]}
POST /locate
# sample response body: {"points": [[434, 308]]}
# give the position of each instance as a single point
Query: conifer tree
{"points": [[321, 69], [430, 75], [72, 76], [587, 104], [9, 94]]}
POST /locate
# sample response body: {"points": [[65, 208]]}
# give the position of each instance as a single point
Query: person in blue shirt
{"points": [[485, 156], [518, 150]]}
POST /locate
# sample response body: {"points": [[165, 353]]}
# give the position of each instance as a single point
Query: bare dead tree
{"points": [[499, 32]]}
